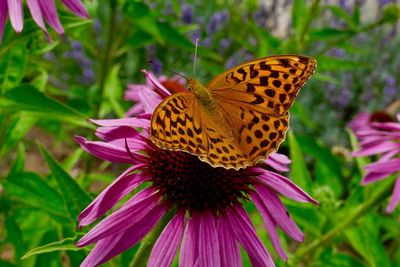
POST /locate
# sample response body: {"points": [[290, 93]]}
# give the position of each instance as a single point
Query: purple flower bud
{"points": [[187, 14]]}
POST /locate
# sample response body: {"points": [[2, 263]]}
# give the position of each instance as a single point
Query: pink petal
{"points": [[278, 161], [158, 86], [50, 15], [77, 7], [389, 126], [164, 250], [189, 248], [395, 199], [3, 17], [135, 109], [270, 225], [388, 166], [16, 14], [284, 186], [247, 236], [129, 214], [279, 212], [150, 100], [133, 122], [208, 241], [373, 176], [109, 151], [124, 184], [36, 12], [228, 246], [120, 132], [376, 148]]}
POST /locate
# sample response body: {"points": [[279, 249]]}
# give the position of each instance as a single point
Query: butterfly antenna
{"points": [[158, 65], [195, 56]]}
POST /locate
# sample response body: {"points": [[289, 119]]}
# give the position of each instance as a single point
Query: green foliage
{"points": [[49, 90]]}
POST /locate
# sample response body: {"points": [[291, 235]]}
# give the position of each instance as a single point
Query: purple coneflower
{"points": [[379, 135], [40, 9], [210, 221]]}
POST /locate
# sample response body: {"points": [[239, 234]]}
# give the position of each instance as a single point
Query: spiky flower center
{"points": [[191, 184]]}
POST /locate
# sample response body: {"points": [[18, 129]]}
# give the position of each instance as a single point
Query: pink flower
{"points": [[379, 136], [209, 222], [39, 9]]}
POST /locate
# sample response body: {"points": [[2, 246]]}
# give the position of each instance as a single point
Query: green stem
{"points": [[142, 255], [356, 214], [105, 61], [313, 14]]}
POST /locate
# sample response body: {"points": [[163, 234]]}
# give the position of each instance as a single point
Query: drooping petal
{"points": [[375, 148], [278, 211], [77, 7], [228, 245], [270, 225], [167, 244], [387, 126], [130, 213], [3, 17], [395, 198], [133, 122], [36, 12], [108, 151], [137, 232], [119, 132], [189, 248], [121, 186], [160, 88], [16, 14], [208, 241], [284, 186], [247, 236], [49, 11], [149, 99], [278, 161]]}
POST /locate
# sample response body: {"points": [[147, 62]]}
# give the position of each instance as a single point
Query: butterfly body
{"points": [[240, 117]]}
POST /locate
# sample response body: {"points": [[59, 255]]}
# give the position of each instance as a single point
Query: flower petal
{"points": [[278, 161], [247, 236], [119, 132], [122, 185], [395, 199], [158, 86], [36, 12], [228, 245], [3, 17], [133, 122], [284, 186], [167, 244], [130, 213], [208, 241], [16, 14], [270, 225], [77, 7], [279, 212], [107, 151], [50, 14], [376, 148], [189, 248]]}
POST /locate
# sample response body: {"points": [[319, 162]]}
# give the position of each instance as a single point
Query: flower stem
{"points": [[353, 216], [142, 255]]}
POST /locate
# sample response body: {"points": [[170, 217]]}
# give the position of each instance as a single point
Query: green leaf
{"points": [[112, 93], [361, 161], [14, 235], [19, 162], [30, 189], [65, 244], [299, 17], [342, 14], [75, 198], [329, 33], [12, 67], [298, 169], [72, 159], [326, 63], [173, 37], [16, 130], [27, 98]]}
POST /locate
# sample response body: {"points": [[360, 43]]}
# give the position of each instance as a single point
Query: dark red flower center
{"points": [[191, 184]]}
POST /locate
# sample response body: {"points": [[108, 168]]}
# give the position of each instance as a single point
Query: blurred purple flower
{"points": [[336, 52], [209, 219], [379, 136], [41, 10], [390, 90], [217, 21], [187, 14], [78, 54], [241, 55], [261, 15]]}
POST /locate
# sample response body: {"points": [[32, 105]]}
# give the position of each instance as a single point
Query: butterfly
{"points": [[240, 117]]}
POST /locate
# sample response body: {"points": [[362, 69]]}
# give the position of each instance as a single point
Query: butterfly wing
{"points": [[255, 98], [181, 123]]}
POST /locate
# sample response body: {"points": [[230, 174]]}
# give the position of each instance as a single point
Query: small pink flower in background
{"points": [[209, 221], [378, 135], [41, 10]]}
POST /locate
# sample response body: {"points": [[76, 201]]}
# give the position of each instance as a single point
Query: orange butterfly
{"points": [[240, 117]]}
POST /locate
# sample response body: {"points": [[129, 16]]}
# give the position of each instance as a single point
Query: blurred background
{"points": [[50, 89]]}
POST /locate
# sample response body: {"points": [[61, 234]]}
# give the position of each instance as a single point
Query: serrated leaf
{"points": [[298, 168], [65, 244], [30, 189], [75, 198], [12, 67], [27, 98]]}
